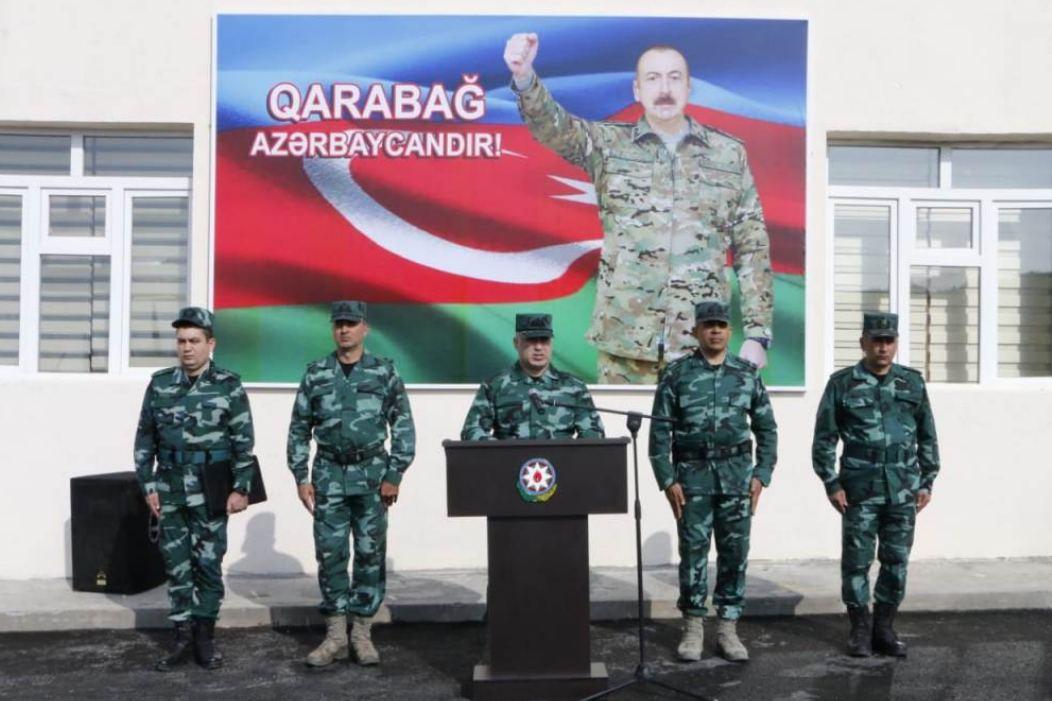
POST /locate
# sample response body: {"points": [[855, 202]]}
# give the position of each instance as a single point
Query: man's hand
{"points": [[676, 499], [154, 502], [519, 53], [755, 487], [754, 352], [923, 499], [236, 502], [306, 492], [388, 493], [839, 500]]}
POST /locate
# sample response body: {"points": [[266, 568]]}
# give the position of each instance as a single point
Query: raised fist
{"points": [[519, 53]]}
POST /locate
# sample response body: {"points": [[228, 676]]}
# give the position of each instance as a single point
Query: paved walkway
{"points": [[774, 589]]}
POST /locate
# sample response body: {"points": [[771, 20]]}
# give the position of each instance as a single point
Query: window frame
{"points": [[904, 201], [118, 190]]}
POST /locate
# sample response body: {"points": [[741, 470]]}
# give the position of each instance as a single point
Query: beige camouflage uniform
{"points": [[668, 221]]}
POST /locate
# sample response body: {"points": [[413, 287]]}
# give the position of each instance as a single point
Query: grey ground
{"points": [[992, 655]]}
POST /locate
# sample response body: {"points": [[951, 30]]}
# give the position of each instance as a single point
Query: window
{"points": [[94, 250], [958, 241]]}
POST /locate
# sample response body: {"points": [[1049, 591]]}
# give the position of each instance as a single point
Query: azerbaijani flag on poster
{"points": [[384, 159]]}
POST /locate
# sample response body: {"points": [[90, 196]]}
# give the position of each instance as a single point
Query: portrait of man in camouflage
{"points": [[349, 402], [193, 414], [703, 461], [880, 410], [513, 403], [674, 197]]}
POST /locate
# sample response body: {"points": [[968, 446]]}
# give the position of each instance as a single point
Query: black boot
{"points": [[858, 639], [181, 651], [885, 641], [204, 644]]}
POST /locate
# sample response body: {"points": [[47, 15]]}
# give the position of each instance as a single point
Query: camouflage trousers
{"points": [[193, 546], [617, 370], [337, 517], [863, 525], [729, 517]]}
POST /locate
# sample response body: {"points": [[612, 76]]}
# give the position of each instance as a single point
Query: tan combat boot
{"points": [[334, 647], [727, 643], [689, 649], [362, 643]]}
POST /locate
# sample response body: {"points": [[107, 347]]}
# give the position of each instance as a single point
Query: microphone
{"points": [[538, 403]]}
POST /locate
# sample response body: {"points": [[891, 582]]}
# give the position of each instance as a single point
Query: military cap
{"points": [[534, 325], [348, 311], [880, 325], [712, 310], [194, 316]]}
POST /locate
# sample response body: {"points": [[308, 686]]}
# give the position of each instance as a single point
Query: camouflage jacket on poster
{"points": [[503, 409], [352, 413], [179, 420], [715, 407], [890, 448], [668, 221]]}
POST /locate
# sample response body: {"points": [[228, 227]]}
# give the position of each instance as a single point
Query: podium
{"points": [[536, 496]]}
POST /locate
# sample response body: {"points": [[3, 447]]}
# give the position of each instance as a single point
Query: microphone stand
{"points": [[643, 674]]}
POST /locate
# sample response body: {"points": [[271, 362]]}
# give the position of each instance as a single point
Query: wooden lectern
{"points": [[536, 496]]}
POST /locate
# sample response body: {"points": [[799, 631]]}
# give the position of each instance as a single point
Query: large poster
{"points": [[386, 159]]}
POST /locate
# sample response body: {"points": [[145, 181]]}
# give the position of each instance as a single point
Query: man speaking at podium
{"points": [[515, 403]]}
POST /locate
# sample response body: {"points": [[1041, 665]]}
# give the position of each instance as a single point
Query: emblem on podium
{"points": [[537, 481]]}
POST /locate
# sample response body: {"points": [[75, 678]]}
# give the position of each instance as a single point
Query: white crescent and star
{"points": [[333, 179]]}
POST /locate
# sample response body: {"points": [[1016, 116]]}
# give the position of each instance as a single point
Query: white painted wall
{"points": [[941, 68]]}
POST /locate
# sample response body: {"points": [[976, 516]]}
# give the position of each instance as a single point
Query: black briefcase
{"points": [[218, 482]]}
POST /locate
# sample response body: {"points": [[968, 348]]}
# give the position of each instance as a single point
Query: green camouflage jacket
{"points": [[503, 409], [352, 413], [179, 420], [715, 408], [890, 448], [668, 220]]}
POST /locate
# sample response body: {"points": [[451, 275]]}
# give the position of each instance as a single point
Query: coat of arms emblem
{"points": [[536, 480]]}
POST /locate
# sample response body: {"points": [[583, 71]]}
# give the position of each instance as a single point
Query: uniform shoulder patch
{"points": [[164, 371], [742, 363], [720, 132], [224, 375]]}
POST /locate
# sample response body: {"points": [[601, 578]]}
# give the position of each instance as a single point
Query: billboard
{"points": [[386, 159]]}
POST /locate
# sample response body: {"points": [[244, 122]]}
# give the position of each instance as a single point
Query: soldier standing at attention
{"points": [[511, 404], [716, 399], [347, 401], [192, 415], [880, 411], [673, 196]]}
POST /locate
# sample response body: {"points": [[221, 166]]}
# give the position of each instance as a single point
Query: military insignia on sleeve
{"points": [[536, 480]]}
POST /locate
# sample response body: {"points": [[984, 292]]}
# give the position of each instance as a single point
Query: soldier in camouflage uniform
{"points": [[347, 401], [674, 196], [504, 406], [880, 411], [193, 414], [716, 399]]}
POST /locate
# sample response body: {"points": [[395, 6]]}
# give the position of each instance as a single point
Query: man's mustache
{"points": [[665, 99]]}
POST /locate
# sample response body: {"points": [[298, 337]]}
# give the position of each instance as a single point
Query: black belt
{"points": [[195, 457], [881, 455], [710, 452], [351, 457]]}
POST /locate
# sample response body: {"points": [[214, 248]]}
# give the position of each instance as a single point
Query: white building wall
{"points": [[941, 69]]}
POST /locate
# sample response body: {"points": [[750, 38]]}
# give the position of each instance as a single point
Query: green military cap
{"points": [[712, 310], [880, 325], [534, 325], [348, 311], [194, 316]]}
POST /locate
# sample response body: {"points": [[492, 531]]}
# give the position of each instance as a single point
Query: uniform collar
{"points": [[861, 373], [207, 374], [545, 377], [694, 129], [332, 360]]}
